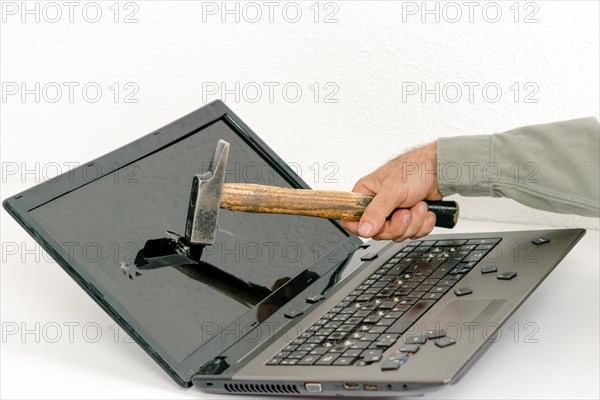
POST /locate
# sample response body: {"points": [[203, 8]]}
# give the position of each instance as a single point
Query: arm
{"points": [[552, 167]]}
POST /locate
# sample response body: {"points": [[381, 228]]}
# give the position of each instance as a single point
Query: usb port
{"points": [[351, 386], [368, 386]]}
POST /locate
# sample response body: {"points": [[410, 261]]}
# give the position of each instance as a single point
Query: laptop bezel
{"points": [[20, 205]]}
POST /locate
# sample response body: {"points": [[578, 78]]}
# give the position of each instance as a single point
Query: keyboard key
{"points": [[352, 353], [423, 288], [335, 336], [307, 347], [289, 362], [390, 365], [341, 317], [319, 351], [293, 314], [299, 341], [369, 256], [371, 319], [432, 296], [315, 299], [384, 322], [488, 269], [387, 305], [393, 315], [324, 332], [410, 348], [435, 334], [343, 361], [340, 348], [274, 361], [540, 241], [475, 255], [369, 356], [444, 341], [439, 289], [448, 281], [378, 329], [327, 359], [369, 337], [463, 291], [416, 339], [507, 276], [298, 354], [360, 345], [346, 327], [315, 339], [308, 360], [386, 340]]}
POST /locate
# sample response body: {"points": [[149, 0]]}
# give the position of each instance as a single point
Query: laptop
{"points": [[280, 304]]}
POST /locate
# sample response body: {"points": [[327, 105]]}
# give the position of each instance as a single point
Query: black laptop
{"points": [[280, 304]]}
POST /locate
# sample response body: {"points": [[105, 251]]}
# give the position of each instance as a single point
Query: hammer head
{"points": [[205, 199]]}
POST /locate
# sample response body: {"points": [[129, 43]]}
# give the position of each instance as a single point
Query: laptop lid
{"points": [[115, 226]]}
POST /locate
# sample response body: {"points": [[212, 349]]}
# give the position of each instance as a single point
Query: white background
{"points": [[173, 57]]}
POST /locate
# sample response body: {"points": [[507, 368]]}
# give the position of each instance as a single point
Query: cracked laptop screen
{"points": [[124, 231]]}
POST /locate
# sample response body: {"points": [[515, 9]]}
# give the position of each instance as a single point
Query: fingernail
{"points": [[364, 229], [406, 218], [430, 218], [423, 208]]}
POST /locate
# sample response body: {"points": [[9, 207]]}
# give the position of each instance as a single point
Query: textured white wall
{"points": [[176, 52]]}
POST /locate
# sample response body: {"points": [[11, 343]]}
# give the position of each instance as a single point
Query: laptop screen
{"points": [[124, 230]]}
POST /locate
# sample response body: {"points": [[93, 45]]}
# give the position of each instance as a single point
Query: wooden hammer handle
{"points": [[347, 206]]}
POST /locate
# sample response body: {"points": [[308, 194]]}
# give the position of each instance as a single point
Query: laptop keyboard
{"points": [[385, 305]]}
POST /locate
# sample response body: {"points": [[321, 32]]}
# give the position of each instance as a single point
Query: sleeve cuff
{"points": [[461, 162]]}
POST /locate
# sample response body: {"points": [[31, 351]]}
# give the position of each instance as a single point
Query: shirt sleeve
{"points": [[553, 167]]}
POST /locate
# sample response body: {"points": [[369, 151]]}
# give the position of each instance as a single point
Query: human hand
{"points": [[401, 183]]}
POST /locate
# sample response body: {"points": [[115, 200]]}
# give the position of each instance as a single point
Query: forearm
{"points": [[553, 167]]}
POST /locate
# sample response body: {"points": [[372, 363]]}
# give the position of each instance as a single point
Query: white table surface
{"points": [[559, 360]]}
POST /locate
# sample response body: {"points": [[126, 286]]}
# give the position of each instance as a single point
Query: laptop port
{"points": [[369, 386], [351, 386]]}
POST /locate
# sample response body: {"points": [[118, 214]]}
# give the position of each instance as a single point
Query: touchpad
{"points": [[463, 313]]}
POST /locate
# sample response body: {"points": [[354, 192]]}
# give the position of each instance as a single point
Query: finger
{"points": [[427, 227], [395, 227], [352, 226], [419, 212], [382, 205], [365, 185]]}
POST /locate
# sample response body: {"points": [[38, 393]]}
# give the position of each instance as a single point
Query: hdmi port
{"points": [[370, 387], [351, 386]]}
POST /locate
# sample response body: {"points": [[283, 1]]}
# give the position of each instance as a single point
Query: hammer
{"points": [[210, 192]]}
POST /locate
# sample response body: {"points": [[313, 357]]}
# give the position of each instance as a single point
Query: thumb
{"points": [[382, 205]]}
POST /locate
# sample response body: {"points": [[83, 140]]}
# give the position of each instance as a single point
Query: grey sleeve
{"points": [[553, 167]]}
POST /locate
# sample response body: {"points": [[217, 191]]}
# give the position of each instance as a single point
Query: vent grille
{"points": [[261, 388]]}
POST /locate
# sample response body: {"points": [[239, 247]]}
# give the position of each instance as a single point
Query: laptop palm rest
{"points": [[463, 313]]}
